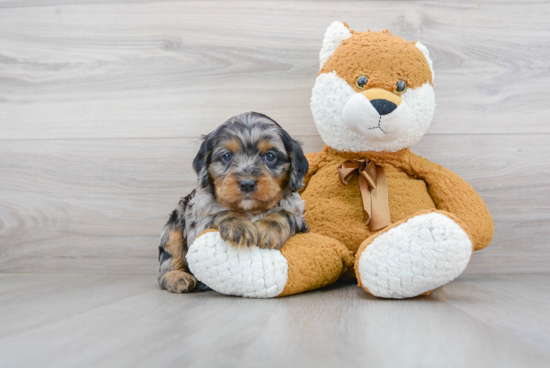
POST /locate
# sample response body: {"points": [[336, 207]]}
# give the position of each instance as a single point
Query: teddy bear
{"points": [[400, 224]]}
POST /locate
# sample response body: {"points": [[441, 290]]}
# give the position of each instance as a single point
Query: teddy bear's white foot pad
{"points": [[420, 255], [249, 272]]}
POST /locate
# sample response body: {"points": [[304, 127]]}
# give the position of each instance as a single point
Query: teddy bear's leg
{"points": [[414, 256], [314, 261], [306, 262]]}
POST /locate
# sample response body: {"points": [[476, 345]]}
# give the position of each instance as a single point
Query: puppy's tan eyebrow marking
{"points": [[233, 145], [264, 145]]}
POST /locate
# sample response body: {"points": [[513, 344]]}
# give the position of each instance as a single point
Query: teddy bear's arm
{"points": [[314, 159], [453, 194]]}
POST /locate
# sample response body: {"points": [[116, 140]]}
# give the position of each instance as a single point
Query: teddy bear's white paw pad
{"points": [[249, 272], [415, 257]]}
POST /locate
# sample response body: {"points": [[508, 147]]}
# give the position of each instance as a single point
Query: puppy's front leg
{"points": [[236, 229], [172, 274], [277, 227]]}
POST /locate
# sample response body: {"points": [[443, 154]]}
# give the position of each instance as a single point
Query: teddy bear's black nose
{"points": [[383, 107]]}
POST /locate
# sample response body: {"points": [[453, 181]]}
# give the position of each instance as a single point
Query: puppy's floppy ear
{"points": [[202, 160], [298, 161]]}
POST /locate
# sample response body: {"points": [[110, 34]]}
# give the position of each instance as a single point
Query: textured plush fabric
{"points": [[314, 261], [247, 271], [415, 184], [426, 53], [334, 35], [306, 262], [414, 256], [331, 94], [382, 57], [353, 129]]}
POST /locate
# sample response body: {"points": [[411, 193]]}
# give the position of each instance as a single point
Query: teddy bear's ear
{"points": [[335, 34], [426, 53]]}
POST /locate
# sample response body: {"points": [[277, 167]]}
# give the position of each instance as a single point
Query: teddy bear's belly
{"points": [[335, 210]]}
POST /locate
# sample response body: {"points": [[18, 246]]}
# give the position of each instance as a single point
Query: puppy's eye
{"points": [[227, 158], [362, 81], [270, 157], [400, 87]]}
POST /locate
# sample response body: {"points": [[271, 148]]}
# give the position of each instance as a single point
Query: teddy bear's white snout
{"points": [[376, 119]]}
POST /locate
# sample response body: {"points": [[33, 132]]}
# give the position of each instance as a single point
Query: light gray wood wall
{"points": [[102, 106]]}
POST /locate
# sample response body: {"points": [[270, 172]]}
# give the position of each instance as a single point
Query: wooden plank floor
{"points": [[54, 320]]}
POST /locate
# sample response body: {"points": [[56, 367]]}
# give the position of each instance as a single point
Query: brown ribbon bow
{"points": [[374, 190]]}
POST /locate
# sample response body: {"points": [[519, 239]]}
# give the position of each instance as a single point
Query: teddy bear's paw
{"points": [[243, 271], [421, 254]]}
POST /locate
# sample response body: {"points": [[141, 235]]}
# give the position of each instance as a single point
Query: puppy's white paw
{"points": [[243, 271], [415, 257]]}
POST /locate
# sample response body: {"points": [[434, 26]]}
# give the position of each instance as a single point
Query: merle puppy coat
{"points": [[249, 170]]}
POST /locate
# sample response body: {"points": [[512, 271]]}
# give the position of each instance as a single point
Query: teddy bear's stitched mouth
{"points": [[378, 126]]}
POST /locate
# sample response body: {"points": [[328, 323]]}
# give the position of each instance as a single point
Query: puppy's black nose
{"points": [[247, 186], [383, 107]]}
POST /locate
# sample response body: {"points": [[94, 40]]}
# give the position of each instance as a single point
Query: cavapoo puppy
{"points": [[249, 170]]}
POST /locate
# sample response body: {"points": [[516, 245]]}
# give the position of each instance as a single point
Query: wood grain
{"points": [[99, 205], [178, 69], [46, 298], [127, 321], [518, 316]]}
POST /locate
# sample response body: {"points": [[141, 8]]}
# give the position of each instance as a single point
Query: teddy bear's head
{"points": [[374, 91]]}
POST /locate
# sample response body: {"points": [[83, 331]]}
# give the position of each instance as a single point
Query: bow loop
{"points": [[374, 190], [347, 169], [368, 172]]}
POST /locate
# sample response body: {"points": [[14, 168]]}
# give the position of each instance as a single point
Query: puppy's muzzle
{"points": [[377, 114], [248, 185]]}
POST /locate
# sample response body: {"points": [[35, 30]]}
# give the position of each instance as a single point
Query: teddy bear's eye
{"points": [[400, 87], [362, 81]]}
